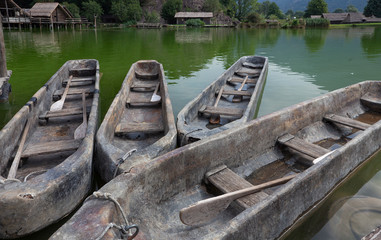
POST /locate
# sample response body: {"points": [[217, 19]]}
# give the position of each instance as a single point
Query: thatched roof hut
{"points": [[50, 10], [335, 17], [181, 17]]}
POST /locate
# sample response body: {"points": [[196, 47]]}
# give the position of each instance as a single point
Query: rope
{"points": [[32, 173], [122, 160], [185, 135], [125, 229]]}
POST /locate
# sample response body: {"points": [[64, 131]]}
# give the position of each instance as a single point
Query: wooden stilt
{"points": [[3, 62]]}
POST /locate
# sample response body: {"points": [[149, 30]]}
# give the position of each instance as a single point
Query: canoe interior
{"points": [[176, 180], [50, 139], [137, 119], [239, 101]]}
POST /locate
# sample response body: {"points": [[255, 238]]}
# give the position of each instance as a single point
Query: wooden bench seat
{"points": [[309, 149], [79, 81], [141, 99], [240, 80], [346, 121], [72, 91], [372, 102], [62, 113], [235, 112], [144, 127], [146, 75], [82, 72], [252, 65], [51, 147], [228, 181], [243, 72], [149, 85], [237, 93]]}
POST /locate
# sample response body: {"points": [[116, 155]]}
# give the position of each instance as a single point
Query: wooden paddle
{"points": [[205, 210], [16, 160], [59, 104], [80, 132], [215, 118], [155, 97], [239, 98]]}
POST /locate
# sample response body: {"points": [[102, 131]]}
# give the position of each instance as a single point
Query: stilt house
{"points": [[13, 13], [51, 12]]}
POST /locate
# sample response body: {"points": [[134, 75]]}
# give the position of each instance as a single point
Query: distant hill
{"points": [[301, 5]]}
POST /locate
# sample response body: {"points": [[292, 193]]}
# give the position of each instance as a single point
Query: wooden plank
{"points": [[302, 146], [372, 102], [73, 91], [240, 80], [63, 113], [239, 93], [248, 72], [82, 72], [146, 75], [236, 112], [347, 121], [228, 181], [140, 98], [51, 147], [80, 79], [150, 85], [252, 65], [145, 127]]}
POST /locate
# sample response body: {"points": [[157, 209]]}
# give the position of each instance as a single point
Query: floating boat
{"points": [[228, 102], [299, 153], [139, 124], [47, 151]]}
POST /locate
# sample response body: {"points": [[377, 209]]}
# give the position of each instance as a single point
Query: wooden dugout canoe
{"points": [[270, 147], [55, 172], [193, 121], [133, 121]]}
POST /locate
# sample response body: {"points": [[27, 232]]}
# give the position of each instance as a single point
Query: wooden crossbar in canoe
{"points": [[63, 113], [79, 81], [240, 80], [302, 146], [147, 85], [143, 127], [73, 91], [51, 147], [252, 65], [248, 72], [146, 75], [372, 102], [235, 112], [228, 181], [142, 98], [237, 93], [82, 71], [346, 121]]}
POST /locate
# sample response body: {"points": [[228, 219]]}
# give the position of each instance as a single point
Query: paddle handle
{"points": [[218, 97], [156, 89], [66, 88], [16, 160], [84, 106], [243, 83], [205, 210]]}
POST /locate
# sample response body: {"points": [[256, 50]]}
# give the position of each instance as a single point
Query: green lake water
{"points": [[302, 64]]}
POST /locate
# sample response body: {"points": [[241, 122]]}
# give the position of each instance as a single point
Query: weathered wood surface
{"points": [[63, 113], [228, 181], [59, 104], [59, 92], [252, 65], [140, 98], [243, 71], [3, 60], [88, 80], [237, 92], [236, 112], [347, 121], [149, 85], [139, 127], [80, 132], [146, 75], [50, 147], [302, 146], [240, 80]]}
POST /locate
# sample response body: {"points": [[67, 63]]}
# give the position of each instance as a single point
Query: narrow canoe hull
{"points": [[48, 195], [193, 126], [134, 122], [152, 195]]}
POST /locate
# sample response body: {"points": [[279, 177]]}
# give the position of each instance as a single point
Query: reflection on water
{"points": [[370, 44], [315, 39], [193, 36]]}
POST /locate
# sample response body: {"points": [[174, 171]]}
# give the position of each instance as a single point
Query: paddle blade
{"points": [[203, 211], [57, 106], [80, 132], [155, 98]]}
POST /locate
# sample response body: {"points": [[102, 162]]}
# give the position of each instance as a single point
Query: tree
{"points": [[211, 6], [73, 8], [91, 9], [299, 14], [316, 7], [244, 7], [339, 10], [289, 13], [127, 10], [351, 8], [275, 10], [373, 8], [170, 7]]}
